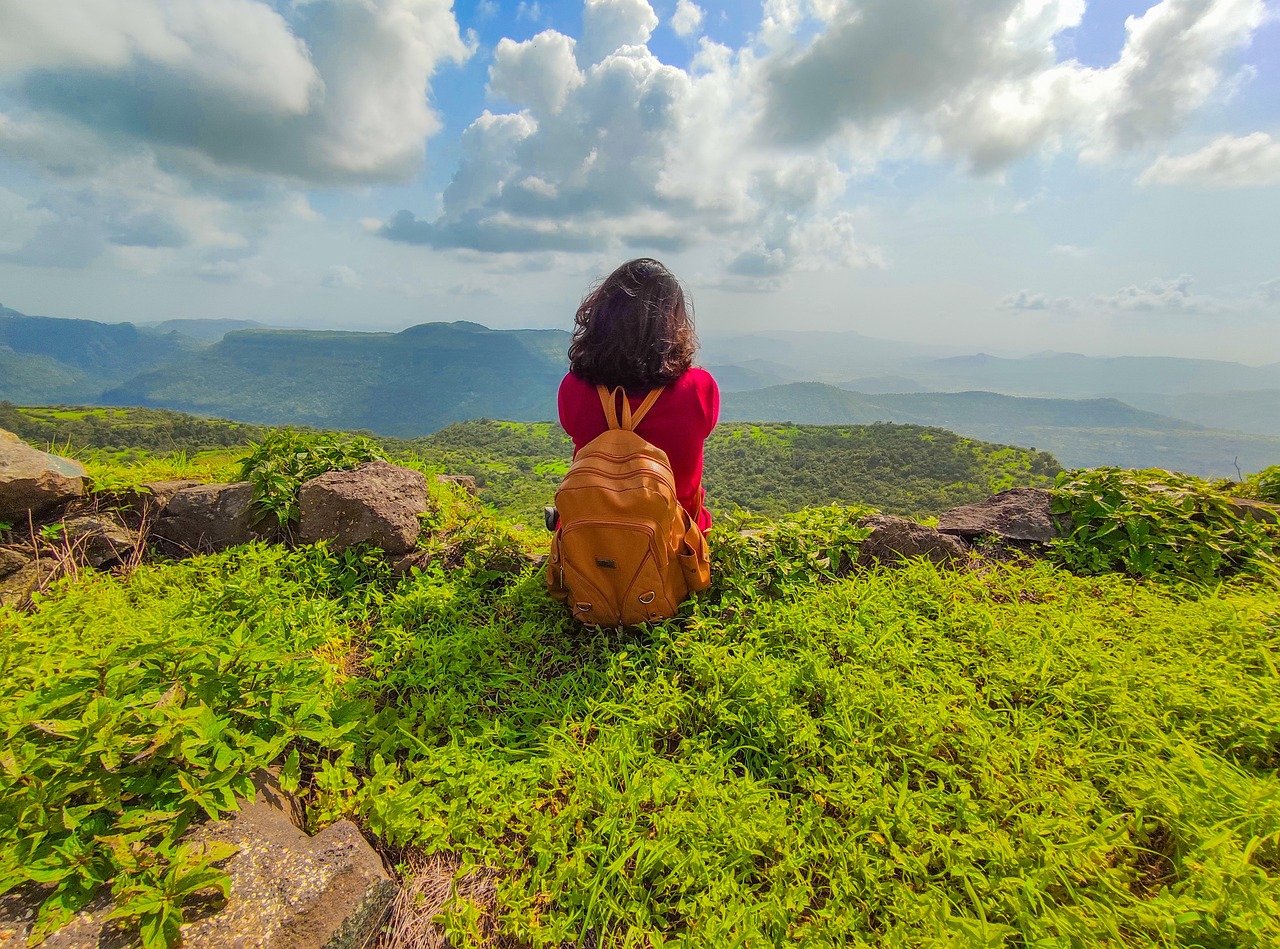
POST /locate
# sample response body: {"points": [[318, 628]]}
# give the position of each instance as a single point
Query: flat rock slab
{"points": [[210, 517], [1019, 514], [34, 482], [133, 504], [288, 890], [378, 503], [894, 539]]}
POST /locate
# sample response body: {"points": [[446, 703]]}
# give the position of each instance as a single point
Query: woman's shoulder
{"points": [[695, 379]]}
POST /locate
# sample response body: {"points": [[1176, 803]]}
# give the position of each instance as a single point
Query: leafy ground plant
{"points": [[279, 465], [130, 709], [1265, 485], [1155, 523]]}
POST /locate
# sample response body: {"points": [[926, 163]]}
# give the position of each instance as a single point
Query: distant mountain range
{"points": [[428, 376], [1080, 433], [1214, 393]]}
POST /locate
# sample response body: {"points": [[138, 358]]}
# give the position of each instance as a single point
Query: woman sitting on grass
{"points": [[635, 330]]}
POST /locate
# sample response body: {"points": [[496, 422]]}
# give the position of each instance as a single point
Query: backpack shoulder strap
{"points": [[629, 420], [638, 415], [609, 400]]}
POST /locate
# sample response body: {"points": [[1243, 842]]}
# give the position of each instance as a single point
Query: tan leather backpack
{"points": [[624, 551]]}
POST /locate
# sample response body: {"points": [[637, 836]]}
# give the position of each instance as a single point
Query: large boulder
{"points": [[34, 482], [894, 539], [1020, 515], [211, 517], [288, 890], [379, 503]]}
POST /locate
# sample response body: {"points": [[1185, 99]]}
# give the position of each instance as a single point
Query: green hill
{"points": [[768, 468], [1081, 433], [46, 360], [400, 384]]}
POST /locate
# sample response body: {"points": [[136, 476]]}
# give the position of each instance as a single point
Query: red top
{"points": [[678, 423]]}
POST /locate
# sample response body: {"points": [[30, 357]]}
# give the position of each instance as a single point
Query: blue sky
{"points": [[995, 175]]}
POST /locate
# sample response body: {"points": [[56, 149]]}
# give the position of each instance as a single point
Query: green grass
{"points": [[999, 755], [1009, 756]]}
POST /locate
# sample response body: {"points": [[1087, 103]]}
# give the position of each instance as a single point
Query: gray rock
{"points": [[134, 504], [1249, 509], [210, 517], [378, 503], [34, 482], [894, 539], [17, 585], [13, 559], [1019, 514], [466, 482], [99, 539], [288, 890], [160, 493]]}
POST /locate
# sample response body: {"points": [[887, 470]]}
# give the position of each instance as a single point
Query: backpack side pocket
{"points": [[555, 571], [695, 558]]}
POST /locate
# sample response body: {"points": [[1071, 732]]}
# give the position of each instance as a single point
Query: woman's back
{"points": [[678, 423]]}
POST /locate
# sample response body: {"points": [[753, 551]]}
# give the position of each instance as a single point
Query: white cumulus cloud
{"points": [[331, 90], [609, 25], [984, 81], [538, 73], [340, 277], [1248, 161], [1172, 294], [631, 152], [687, 19]]}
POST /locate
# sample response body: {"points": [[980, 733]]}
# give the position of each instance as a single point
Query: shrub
{"points": [[279, 465], [1153, 523]]}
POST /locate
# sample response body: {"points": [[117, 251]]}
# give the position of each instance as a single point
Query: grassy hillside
{"points": [[117, 429], [1008, 755], [1080, 433], [398, 384], [50, 360], [769, 469]]}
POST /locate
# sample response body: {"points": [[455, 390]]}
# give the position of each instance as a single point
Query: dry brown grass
{"points": [[430, 885]]}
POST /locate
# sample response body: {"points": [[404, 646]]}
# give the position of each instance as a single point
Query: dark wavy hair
{"points": [[634, 329]]}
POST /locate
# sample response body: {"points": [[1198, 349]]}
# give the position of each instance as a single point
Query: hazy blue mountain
{"points": [[1072, 375], [818, 356], [1256, 411], [428, 376], [403, 384], [43, 359], [205, 331], [1080, 433], [744, 378]]}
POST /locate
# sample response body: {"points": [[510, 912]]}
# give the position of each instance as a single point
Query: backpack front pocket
{"points": [[611, 570]]}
